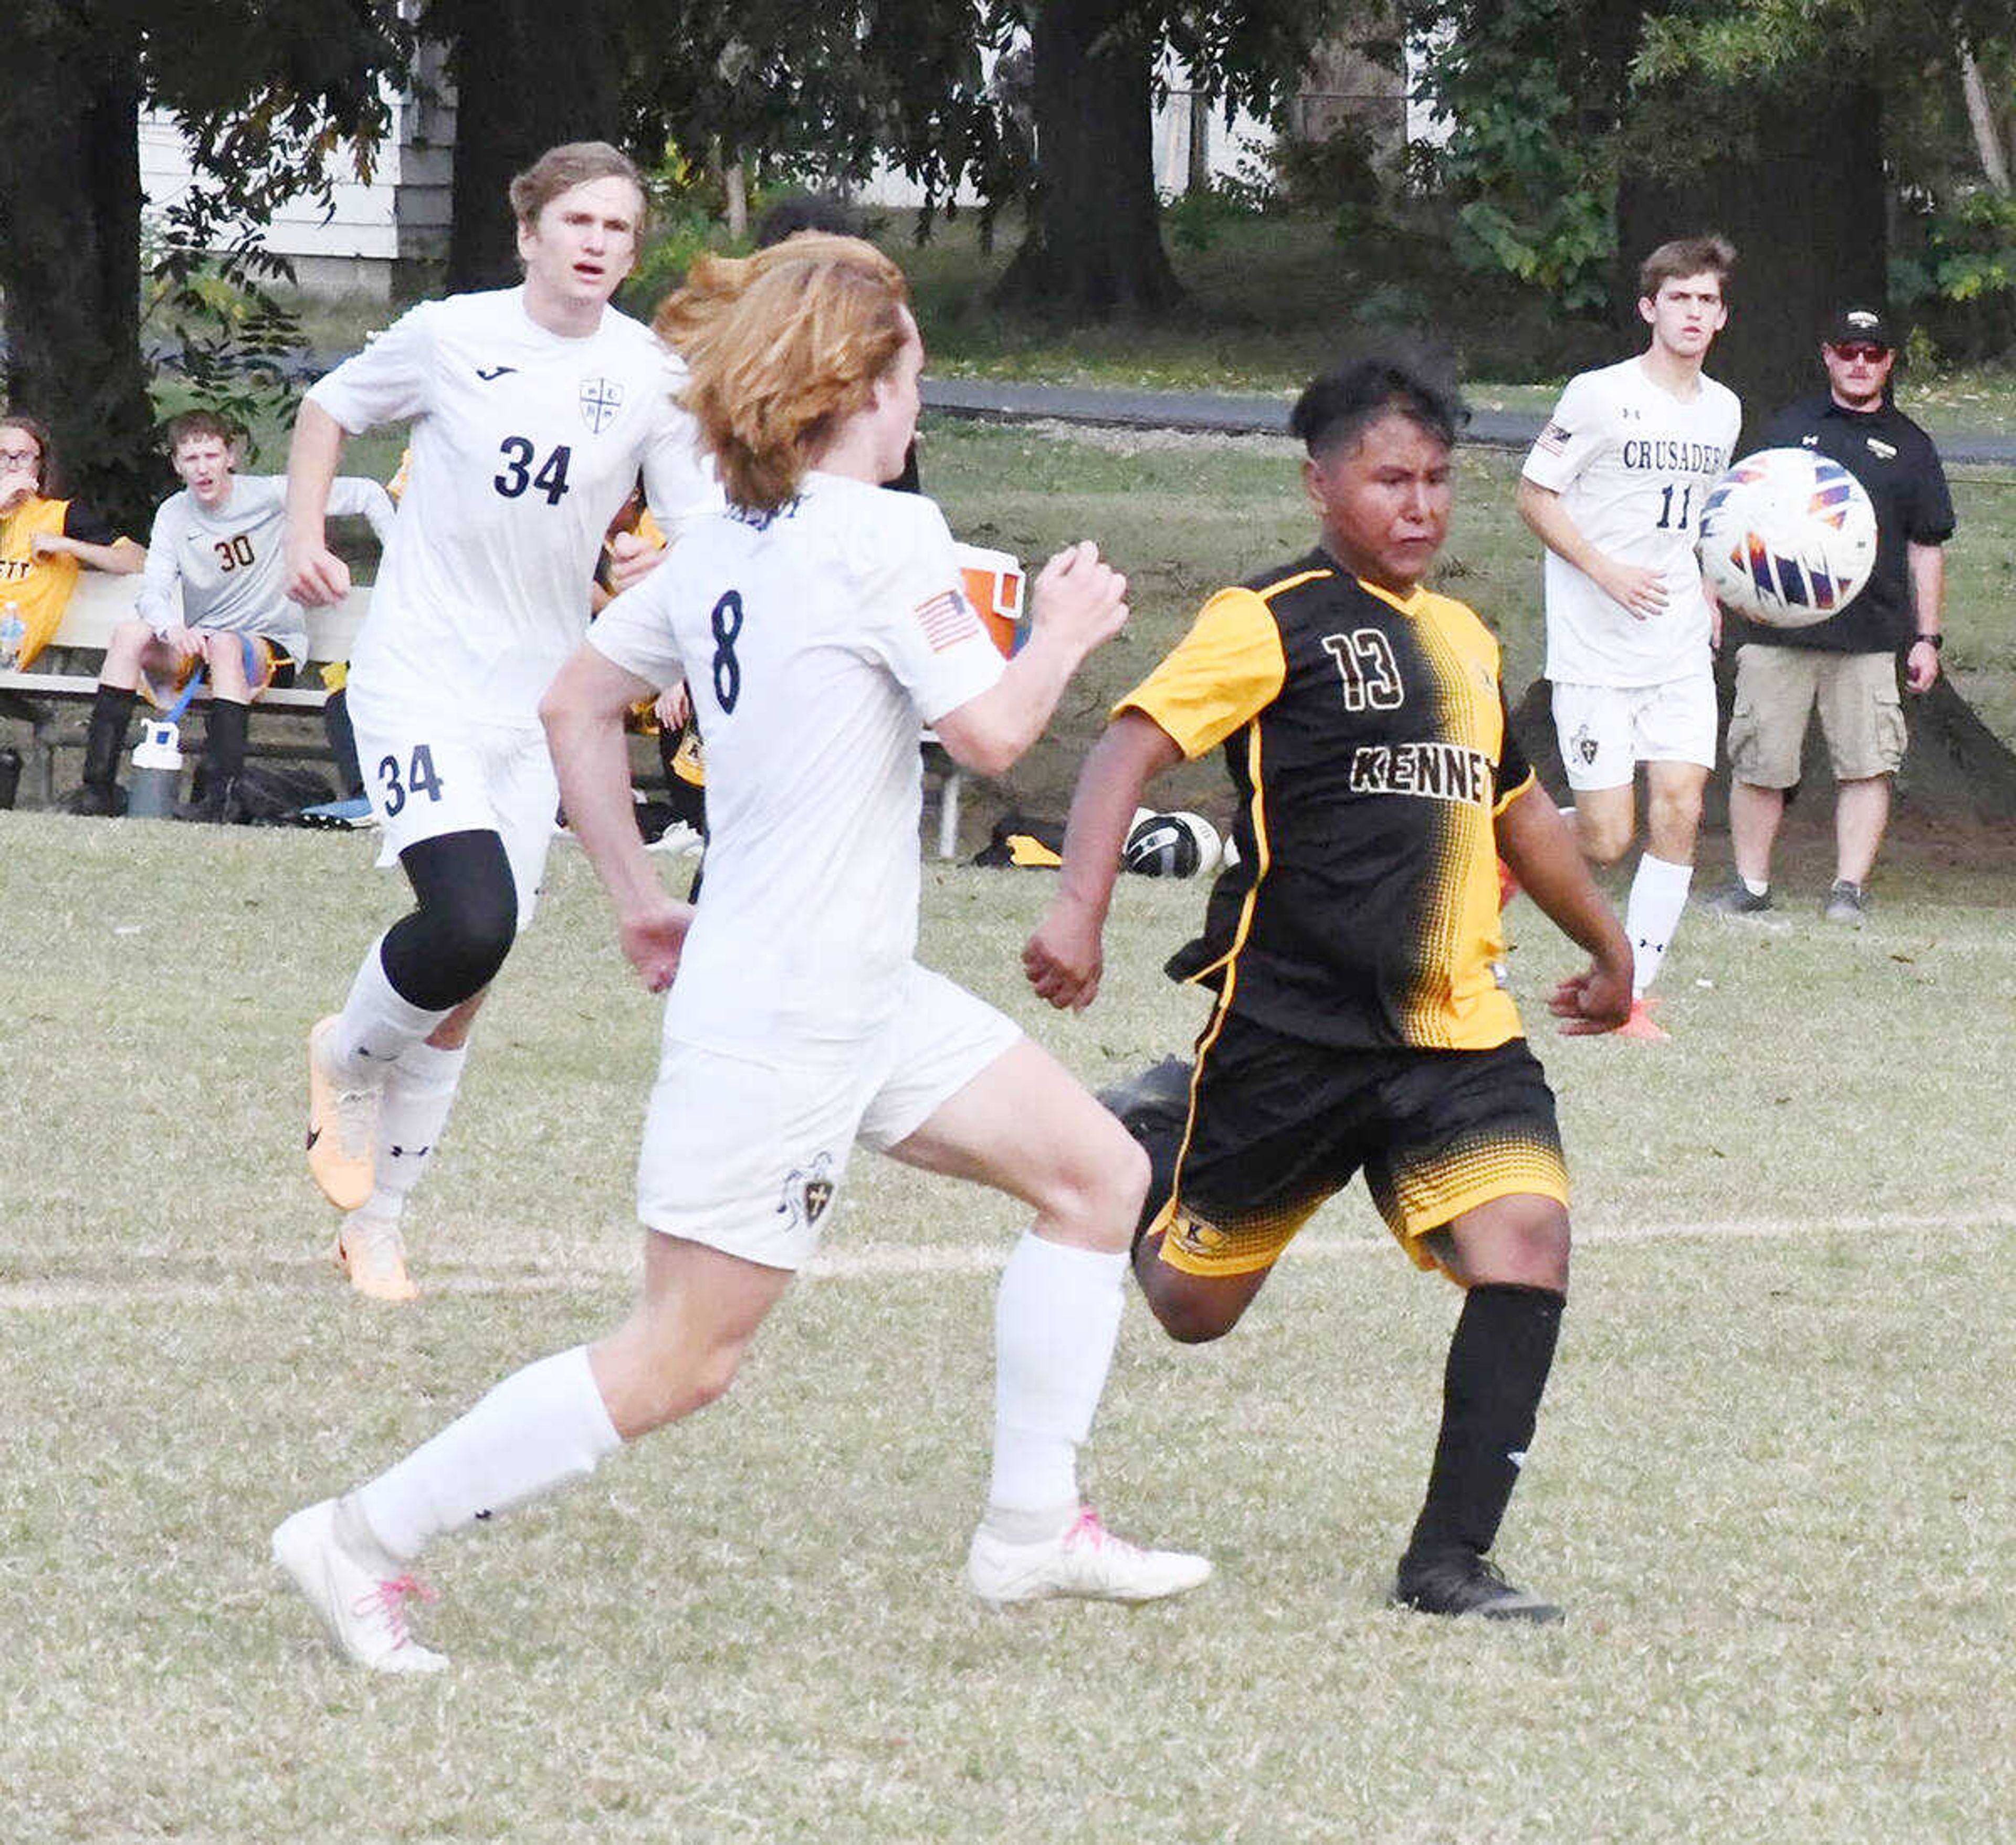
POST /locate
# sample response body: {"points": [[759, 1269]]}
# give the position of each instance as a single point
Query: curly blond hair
{"points": [[783, 346]]}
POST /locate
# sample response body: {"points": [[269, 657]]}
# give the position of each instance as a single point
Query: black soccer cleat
{"points": [[216, 805], [101, 800], [1159, 1094], [1464, 1583], [1152, 1105]]}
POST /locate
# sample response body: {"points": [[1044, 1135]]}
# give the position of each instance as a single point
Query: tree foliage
{"points": [[1092, 248], [267, 92], [1554, 105]]}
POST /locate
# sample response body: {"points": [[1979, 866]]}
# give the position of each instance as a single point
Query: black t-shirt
{"points": [[1895, 462], [87, 527]]}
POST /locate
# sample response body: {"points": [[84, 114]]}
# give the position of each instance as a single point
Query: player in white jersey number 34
{"points": [[533, 410], [819, 621]]}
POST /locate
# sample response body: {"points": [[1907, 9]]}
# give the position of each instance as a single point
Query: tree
{"points": [[266, 90], [70, 246], [1093, 247], [826, 94], [1793, 125], [519, 89]]}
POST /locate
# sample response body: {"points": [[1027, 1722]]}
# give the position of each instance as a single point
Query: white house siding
{"points": [[373, 232]]}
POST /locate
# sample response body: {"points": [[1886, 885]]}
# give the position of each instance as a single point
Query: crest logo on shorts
{"points": [[601, 398], [1584, 745], [1196, 1237], [807, 1192]]}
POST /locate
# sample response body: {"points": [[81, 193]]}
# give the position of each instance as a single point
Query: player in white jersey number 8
{"points": [[819, 622]]}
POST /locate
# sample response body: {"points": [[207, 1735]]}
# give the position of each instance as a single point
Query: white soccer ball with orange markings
{"points": [[1787, 538]]}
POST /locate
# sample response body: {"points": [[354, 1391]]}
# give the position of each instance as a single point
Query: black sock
{"points": [[224, 744], [111, 710], [1498, 1364]]}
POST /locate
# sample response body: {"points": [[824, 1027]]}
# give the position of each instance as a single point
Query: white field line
{"points": [[870, 1260]]}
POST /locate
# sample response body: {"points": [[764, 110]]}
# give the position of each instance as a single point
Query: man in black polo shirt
{"points": [[1362, 1018], [1847, 664]]}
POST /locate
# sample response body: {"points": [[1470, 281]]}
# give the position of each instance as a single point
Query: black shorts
{"points": [[1277, 1124]]}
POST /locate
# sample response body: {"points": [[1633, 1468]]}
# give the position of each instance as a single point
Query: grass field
{"points": [[1772, 1481]]}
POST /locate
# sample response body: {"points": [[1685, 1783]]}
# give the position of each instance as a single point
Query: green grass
{"points": [[1772, 1479]]}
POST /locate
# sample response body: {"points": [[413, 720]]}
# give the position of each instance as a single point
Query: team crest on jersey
{"points": [[1195, 1237], [1584, 745], [601, 398], [807, 1192]]}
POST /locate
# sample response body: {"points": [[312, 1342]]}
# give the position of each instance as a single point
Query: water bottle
{"points": [[13, 631], [157, 772]]}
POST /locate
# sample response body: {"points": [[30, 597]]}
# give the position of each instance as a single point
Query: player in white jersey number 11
{"points": [[1613, 489], [819, 622]]}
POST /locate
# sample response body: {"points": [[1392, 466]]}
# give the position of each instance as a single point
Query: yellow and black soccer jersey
{"points": [[1367, 739]]}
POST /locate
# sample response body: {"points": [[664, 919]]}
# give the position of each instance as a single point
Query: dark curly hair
{"points": [[1337, 408]]}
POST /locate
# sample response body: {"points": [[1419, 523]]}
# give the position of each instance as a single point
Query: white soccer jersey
{"points": [[525, 443], [231, 560], [1632, 464], [815, 642]]}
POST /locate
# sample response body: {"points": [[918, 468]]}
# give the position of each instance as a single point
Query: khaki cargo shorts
{"points": [[1862, 714]]}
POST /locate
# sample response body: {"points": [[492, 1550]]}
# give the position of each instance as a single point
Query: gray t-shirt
{"points": [[231, 560]]}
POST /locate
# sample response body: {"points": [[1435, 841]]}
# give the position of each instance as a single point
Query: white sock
{"points": [[413, 1109], [1658, 895], [376, 1026], [1757, 887], [1057, 1319], [543, 1428]]}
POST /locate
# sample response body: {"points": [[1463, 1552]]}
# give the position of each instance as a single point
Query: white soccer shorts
{"points": [[1606, 731], [747, 1157], [429, 772]]}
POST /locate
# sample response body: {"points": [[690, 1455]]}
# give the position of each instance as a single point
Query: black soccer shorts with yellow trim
{"points": [[1277, 1124]]}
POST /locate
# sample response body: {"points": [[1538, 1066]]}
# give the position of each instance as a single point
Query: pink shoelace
{"points": [[389, 1600], [1088, 1531]]}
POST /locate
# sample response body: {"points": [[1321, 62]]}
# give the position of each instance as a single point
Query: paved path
{"points": [[1247, 413]]}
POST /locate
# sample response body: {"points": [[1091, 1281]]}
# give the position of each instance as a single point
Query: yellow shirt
{"points": [[38, 589]]}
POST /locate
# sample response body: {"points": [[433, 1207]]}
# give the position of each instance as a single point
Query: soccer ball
{"points": [[1787, 537], [1170, 845]]}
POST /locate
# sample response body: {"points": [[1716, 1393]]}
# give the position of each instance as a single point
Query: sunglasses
{"points": [[1859, 350]]}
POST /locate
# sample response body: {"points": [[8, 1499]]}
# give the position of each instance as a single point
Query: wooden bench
{"points": [[100, 603]]}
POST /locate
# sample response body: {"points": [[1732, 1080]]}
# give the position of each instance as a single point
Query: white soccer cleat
{"points": [[1087, 1561], [343, 1121], [363, 1608], [370, 1251]]}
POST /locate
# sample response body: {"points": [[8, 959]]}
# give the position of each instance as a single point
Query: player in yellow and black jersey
{"points": [[1362, 1019]]}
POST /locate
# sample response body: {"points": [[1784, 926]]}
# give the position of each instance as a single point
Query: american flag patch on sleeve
{"points": [[947, 619], [1555, 439]]}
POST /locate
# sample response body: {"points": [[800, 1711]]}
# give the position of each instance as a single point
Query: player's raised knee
{"points": [[478, 934], [1095, 1196], [1189, 1314], [1604, 842]]}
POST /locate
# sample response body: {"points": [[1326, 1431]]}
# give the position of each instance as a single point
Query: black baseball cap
{"points": [[1869, 326]]}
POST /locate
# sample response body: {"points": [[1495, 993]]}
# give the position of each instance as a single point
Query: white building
{"points": [[374, 234]]}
